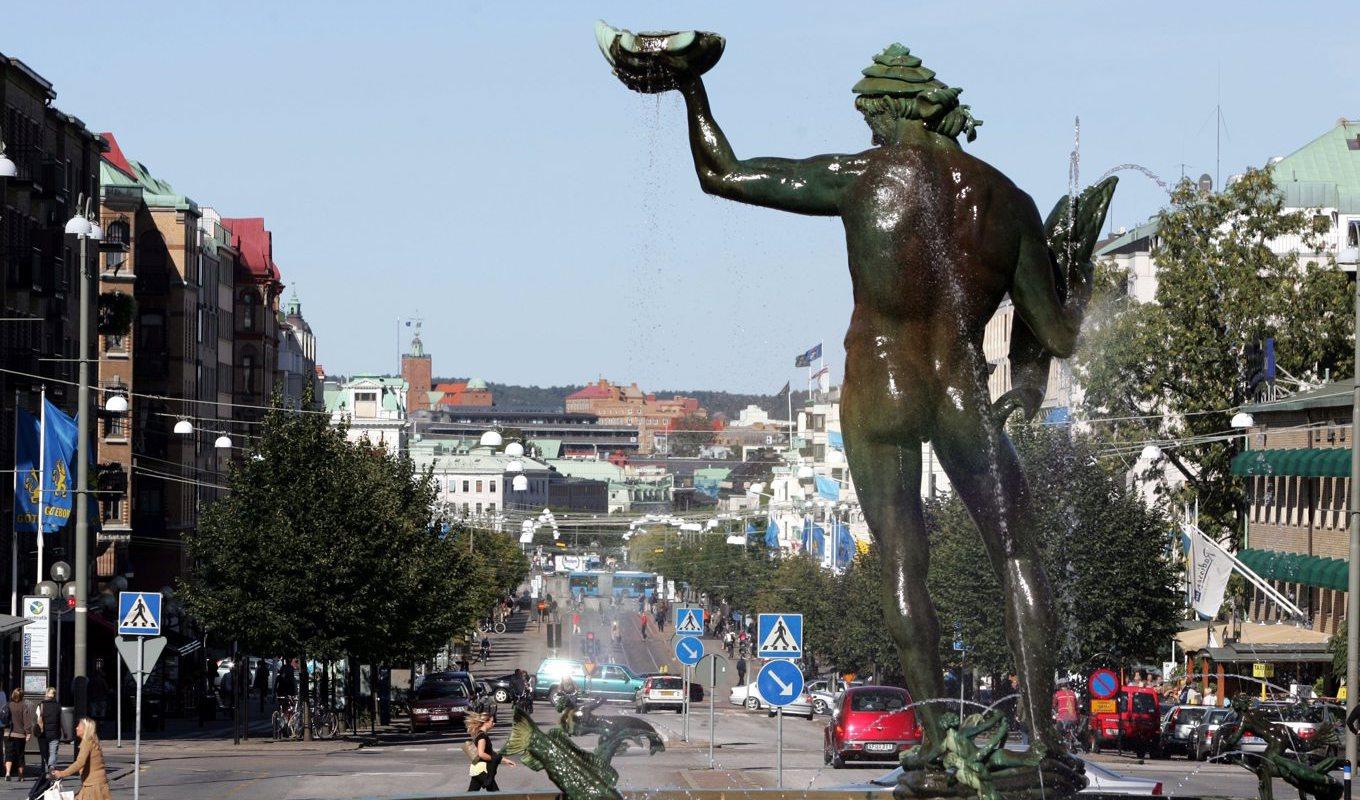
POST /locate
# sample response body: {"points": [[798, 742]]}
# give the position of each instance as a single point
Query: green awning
{"points": [[1274, 565], [1310, 462]]}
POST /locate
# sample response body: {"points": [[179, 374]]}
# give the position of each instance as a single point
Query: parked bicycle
{"points": [[491, 626], [287, 723]]}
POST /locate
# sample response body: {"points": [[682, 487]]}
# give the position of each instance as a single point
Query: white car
{"points": [[1099, 781], [749, 696], [823, 698]]}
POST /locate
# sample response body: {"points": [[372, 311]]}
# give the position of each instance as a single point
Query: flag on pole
{"points": [[823, 378], [845, 543], [1210, 569], [772, 535], [788, 386], [806, 359], [827, 487], [814, 539], [835, 440], [52, 485]]}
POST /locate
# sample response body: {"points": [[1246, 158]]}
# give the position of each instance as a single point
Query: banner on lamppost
{"points": [[1210, 569]]}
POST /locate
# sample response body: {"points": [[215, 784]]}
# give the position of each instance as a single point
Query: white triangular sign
{"points": [[779, 639], [690, 623], [139, 616]]}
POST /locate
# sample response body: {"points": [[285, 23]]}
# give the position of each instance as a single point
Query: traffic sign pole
{"points": [[137, 742], [685, 736], [779, 735]]}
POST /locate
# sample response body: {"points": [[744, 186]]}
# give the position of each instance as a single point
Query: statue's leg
{"points": [[982, 466], [888, 482]]}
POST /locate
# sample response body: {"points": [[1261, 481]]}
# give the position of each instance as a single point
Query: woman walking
{"points": [[17, 733], [485, 761], [94, 781]]}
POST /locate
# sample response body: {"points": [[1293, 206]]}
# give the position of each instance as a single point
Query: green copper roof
{"points": [[1326, 171], [548, 448], [333, 398], [156, 193]]}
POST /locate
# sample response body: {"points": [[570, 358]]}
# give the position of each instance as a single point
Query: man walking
{"points": [[741, 671], [49, 729]]}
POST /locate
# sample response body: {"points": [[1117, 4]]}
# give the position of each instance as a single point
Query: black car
{"points": [[499, 688]]}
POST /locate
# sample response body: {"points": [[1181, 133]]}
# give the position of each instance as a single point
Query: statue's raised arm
{"points": [[657, 62]]}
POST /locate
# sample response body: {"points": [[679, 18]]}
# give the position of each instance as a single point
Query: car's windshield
{"points": [[441, 690], [876, 701], [1144, 704], [1189, 716], [667, 683]]}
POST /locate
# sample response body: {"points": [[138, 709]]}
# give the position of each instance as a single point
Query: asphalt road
{"points": [[744, 749]]}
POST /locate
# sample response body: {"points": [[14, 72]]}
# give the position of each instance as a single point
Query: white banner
{"points": [[1210, 569], [37, 634]]}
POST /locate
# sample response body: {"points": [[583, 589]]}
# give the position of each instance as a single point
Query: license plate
{"points": [[881, 747], [669, 694], [439, 717], [1252, 740]]}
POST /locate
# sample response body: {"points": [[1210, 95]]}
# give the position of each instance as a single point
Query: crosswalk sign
{"points": [[689, 622], [139, 613], [779, 636]]}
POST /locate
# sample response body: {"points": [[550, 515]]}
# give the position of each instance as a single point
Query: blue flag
{"points": [[806, 359], [845, 544], [54, 485], [835, 440], [828, 488], [751, 532], [772, 535], [814, 539]]}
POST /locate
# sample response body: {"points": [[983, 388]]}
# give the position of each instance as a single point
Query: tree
{"points": [[1175, 369], [1106, 554], [859, 639], [687, 435]]}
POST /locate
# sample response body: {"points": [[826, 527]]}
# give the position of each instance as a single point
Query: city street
{"points": [[396, 763]]}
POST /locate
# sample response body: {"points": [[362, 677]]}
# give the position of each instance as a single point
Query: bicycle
{"points": [[287, 723], [488, 626]]}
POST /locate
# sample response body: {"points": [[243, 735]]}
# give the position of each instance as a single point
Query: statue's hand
{"points": [[658, 62]]}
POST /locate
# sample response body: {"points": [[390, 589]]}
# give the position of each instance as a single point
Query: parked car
{"points": [[696, 690], [870, 723], [500, 687], [750, 697], [1304, 723], [661, 691], [1179, 727], [1136, 723], [824, 696], [608, 681], [439, 704], [450, 676], [1205, 735], [1099, 781]]}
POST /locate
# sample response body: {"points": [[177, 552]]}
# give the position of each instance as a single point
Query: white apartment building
{"points": [[374, 407]]}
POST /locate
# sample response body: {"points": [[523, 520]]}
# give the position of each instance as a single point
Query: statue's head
{"points": [[897, 93]]}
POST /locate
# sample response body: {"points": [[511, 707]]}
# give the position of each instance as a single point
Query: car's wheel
{"points": [[752, 703], [552, 696], [809, 716], [837, 761], [819, 706], [680, 709], [826, 756], [502, 696]]}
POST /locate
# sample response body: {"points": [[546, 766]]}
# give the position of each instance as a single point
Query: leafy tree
{"points": [[798, 584], [1177, 367], [687, 435], [859, 639]]}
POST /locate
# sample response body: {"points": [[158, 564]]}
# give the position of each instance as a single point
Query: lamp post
{"points": [[85, 230]]}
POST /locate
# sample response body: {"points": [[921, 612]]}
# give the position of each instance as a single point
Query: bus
{"points": [[584, 583], [634, 584]]}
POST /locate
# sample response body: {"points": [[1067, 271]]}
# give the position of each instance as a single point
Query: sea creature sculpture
{"points": [[580, 775], [1310, 781], [958, 767], [578, 718]]}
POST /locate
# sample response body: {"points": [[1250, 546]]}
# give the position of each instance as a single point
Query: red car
{"points": [[870, 723], [1136, 723], [439, 704]]}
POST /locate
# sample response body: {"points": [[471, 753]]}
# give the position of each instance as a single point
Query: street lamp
{"points": [[184, 427], [116, 404], [1150, 453], [7, 168], [60, 585], [1242, 420], [491, 439], [223, 442]]}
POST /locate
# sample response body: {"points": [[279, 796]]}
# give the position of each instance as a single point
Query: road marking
{"points": [[414, 749]]}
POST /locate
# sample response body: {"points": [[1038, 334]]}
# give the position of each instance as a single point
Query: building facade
{"points": [[628, 406], [573, 434], [374, 409], [258, 287], [296, 378], [417, 371]]}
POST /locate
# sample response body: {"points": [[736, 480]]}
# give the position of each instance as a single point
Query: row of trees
{"points": [[1106, 552], [326, 549]]}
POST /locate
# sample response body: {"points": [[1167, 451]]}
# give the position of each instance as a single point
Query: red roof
{"points": [[114, 155], [593, 392], [454, 388], [256, 245]]}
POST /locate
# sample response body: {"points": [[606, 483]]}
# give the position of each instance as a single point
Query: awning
{"points": [[1320, 571], [1308, 462], [11, 624]]}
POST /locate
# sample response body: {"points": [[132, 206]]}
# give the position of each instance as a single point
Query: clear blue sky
{"points": [[476, 163]]}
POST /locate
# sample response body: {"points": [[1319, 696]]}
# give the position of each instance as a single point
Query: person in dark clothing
{"points": [[741, 671], [262, 681], [98, 692], [285, 685], [487, 761], [49, 730]]}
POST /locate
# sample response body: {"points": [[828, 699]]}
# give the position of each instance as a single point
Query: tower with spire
{"points": [[416, 370]]}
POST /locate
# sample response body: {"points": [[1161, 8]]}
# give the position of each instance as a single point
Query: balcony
{"points": [[124, 198]]}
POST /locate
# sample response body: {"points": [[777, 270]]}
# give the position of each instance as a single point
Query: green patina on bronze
{"points": [[936, 239], [615, 732], [1310, 781]]}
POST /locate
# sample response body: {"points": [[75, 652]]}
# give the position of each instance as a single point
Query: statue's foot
{"points": [[658, 62]]}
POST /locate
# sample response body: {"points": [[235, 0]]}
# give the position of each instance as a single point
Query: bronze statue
{"points": [[577, 718], [989, 771], [1310, 781], [936, 239]]}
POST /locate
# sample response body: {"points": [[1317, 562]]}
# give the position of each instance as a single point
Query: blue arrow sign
{"points": [[779, 636], [689, 622], [688, 650], [139, 613], [780, 683]]}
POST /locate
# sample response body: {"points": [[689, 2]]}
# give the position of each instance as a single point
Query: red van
{"points": [[870, 723], [1135, 725]]}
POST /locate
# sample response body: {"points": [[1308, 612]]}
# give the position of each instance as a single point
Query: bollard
{"points": [[1346, 778]]}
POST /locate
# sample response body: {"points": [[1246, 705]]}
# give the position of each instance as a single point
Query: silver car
{"points": [[749, 696], [823, 697], [1099, 781]]}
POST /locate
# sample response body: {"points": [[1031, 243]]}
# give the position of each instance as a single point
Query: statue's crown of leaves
{"points": [[896, 72]]}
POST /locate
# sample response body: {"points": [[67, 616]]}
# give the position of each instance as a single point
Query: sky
{"points": [[474, 164]]}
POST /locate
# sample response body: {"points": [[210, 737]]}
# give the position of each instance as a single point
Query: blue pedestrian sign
{"points": [[139, 613], [688, 650], [780, 683], [689, 622], [779, 636]]}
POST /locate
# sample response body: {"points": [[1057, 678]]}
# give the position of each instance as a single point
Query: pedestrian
{"points": [[97, 691], [94, 780], [486, 760], [741, 671], [285, 685], [642, 618], [49, 729], [17, 733], [262, 681], [576, 622]]}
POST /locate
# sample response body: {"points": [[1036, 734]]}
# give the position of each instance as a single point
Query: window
{"points": [[465, 488], [465, 509], [248, 307], [492, 489], [113, 262], [115, 343], [366, 404], [491, 508], [479, 488], [115, 426], [199, 320], [479, 508], [248, 370]]}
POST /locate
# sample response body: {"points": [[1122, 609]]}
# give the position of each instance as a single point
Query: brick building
{"points": [[629, 406], [416, 371], [1297, 472], [258, 286]]}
